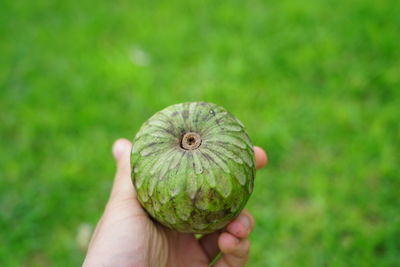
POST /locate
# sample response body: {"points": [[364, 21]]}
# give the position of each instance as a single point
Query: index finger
{"points": [[260, 157]]}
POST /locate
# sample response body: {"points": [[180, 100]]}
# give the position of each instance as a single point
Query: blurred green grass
{"points": [[317, 83]]}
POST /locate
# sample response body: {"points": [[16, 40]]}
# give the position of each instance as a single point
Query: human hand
{"points": [[126, 236]]}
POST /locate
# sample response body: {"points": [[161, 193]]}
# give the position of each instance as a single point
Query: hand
{"points": [[126, 236]]}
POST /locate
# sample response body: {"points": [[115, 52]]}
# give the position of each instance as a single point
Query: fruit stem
{"points": [[190, 141]]}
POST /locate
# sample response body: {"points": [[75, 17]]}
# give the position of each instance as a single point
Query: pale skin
{"points": [[126, 236]]}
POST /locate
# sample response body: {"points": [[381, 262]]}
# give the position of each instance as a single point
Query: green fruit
{"points": [[193, 167]]}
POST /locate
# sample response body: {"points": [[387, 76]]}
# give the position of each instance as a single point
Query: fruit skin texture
{"points": [[193, 167]]}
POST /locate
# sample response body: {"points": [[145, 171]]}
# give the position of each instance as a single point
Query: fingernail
{"points": [[236, 241], [118, 149], [245, 221]]}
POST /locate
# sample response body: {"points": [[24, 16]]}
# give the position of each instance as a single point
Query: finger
{"points": [[242, 225], [240, 228], [260, 157], [235, 251], [122, 187]]}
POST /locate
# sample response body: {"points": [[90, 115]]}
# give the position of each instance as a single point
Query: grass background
{"points": [[317, 83]]}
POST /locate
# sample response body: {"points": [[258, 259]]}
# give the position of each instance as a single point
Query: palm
{"points": [[187, 247], [165, 245]]}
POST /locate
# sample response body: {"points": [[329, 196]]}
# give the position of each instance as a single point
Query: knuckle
{"points": [[243, 250], [247, 245]]}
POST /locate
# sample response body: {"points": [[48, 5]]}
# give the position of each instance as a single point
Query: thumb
{"points": [[122, 187]]}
